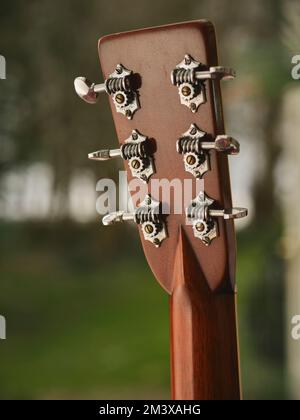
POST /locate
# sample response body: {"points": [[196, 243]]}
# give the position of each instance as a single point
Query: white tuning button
{"points": [[87, 90]]}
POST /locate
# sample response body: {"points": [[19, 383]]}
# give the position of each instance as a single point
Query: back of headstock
{"points": [[155, 110]]}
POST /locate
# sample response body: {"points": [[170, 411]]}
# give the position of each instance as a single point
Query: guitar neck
{"points": [[204, 347]]}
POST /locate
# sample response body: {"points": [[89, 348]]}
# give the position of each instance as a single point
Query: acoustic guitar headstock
{"points": [[164, 90]]}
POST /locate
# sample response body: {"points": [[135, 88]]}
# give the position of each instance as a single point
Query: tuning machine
{"points": [[202, 214], [120, 85], [148, 215], [137, 151], [190, 76], [194, 145]]}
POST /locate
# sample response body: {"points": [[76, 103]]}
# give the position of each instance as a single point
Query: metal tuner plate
{"points": [[202, 214], [190, 76]]}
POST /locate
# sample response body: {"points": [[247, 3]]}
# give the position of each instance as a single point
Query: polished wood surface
{"points": [[152, 54], [199, 279], [204, 350]]}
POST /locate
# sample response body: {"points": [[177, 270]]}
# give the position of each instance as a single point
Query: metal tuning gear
{"points": [[194, 145], [202, 214], [190, 76], [119, 85], [137, 151], [148, 215]]}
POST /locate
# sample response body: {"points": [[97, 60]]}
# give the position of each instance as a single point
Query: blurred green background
{"points": [[85, 317]]}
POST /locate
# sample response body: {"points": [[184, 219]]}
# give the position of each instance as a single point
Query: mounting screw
{"points": [[200, 227], [186, 91], [149, 229], [120, 98], [119, 69], [193, 106], [193, 131], [187, 59], [135, 164], [190, 160]]}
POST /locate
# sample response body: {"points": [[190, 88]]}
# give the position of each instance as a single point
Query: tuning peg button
{"points": [[87, 90], [203, 217], [120, 85], [148, 215]]}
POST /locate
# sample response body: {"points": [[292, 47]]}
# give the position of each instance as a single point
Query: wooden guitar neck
{"points": [[204, 346]]}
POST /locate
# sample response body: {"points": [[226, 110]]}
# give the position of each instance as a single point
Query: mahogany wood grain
{"points": [[204, 350]]}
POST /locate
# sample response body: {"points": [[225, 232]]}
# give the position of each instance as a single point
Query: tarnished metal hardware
{"points": [[137, 151], [202, 214], [190, 76], [194, 145], [148, 215], [119, 85]]}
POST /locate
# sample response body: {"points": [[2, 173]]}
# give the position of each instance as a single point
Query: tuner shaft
{"points": [[107, 154], [229, 214], [99, 88], [226, 73], [118, 217]]}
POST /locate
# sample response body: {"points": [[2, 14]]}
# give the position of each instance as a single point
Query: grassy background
{"points": [[82, 324]]}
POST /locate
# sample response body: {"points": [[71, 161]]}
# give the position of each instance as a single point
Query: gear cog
{"points": [[202, 228], [137, 164], [121, 99], [187, 91], [150, 229]]}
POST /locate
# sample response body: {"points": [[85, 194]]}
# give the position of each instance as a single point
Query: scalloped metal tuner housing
{"points": [[148, 215], [136, 151], [190, 76], [195, 145], [205, 227], [196, 160], [119, 85], [202, 214]]}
